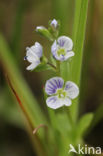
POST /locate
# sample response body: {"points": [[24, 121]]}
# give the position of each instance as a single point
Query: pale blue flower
{"points": [[54, 23], [60, 93], [62, 48], [33, 55]]}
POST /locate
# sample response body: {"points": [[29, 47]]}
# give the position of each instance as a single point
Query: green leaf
{"points": [[28, 100], [81, 8], [83, 125], [29, 104], [98, 116], [43, 67], [63, 124], [44, 32]]}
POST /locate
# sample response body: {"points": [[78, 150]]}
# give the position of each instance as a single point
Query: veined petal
{"points": [[65, 42], [60, 57], [72, 89], [33, 65], [54, 102], [29, 52], [66, 101], [54, 48], [53, 84], [33, 58], [68, 55], [35, 49]]}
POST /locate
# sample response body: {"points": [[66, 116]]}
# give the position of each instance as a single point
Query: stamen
{"points": [[61, 52], [61, 93]]}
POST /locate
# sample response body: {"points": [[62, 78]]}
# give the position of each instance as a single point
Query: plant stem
{"points": [[51, 112], [70, 118], [50, 64], [67, 110]]}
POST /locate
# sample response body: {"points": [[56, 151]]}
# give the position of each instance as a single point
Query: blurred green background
{"points": [[18, 20]]}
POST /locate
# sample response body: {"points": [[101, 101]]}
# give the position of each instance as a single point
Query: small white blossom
{"points": [[62, 48], [33, 55], [60, 93]]}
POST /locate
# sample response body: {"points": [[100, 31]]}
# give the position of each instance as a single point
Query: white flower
{"points": [[60, 93], [33, 55], [54, 23], [62, 48]]}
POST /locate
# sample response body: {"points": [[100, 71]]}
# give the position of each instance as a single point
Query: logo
{"points": [[84, 149]]}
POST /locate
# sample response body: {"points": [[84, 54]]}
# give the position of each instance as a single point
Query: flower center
{"points": [[61, 93], [61, 51]]}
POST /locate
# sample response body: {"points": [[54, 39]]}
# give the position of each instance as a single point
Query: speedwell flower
{"points": [[62, 48], [33, 55], [60, 93]]}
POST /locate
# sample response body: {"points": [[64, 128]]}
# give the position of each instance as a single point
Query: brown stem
{"points": [[51, 65], [19, 101]]}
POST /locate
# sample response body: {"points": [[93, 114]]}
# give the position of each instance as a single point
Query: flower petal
{"points": [[54, 102], [35, 49], [54, 48], [53, 84], [72, 89], [66, 101], [65, 42], [68, 55], [29, 52], [33, 65], [32, 58]]}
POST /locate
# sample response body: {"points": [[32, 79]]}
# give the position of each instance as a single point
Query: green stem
{"points": [[51, 112], [67, 110], [50, 64], [70, 118]]}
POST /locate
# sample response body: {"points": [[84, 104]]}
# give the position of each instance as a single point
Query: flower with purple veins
{"points": [[33, 55], [60, 93], [62, 48]]}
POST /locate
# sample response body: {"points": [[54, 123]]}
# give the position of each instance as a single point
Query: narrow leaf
{"points": [[29, 102], [83, 125], [81, 7], [98, 116]]}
